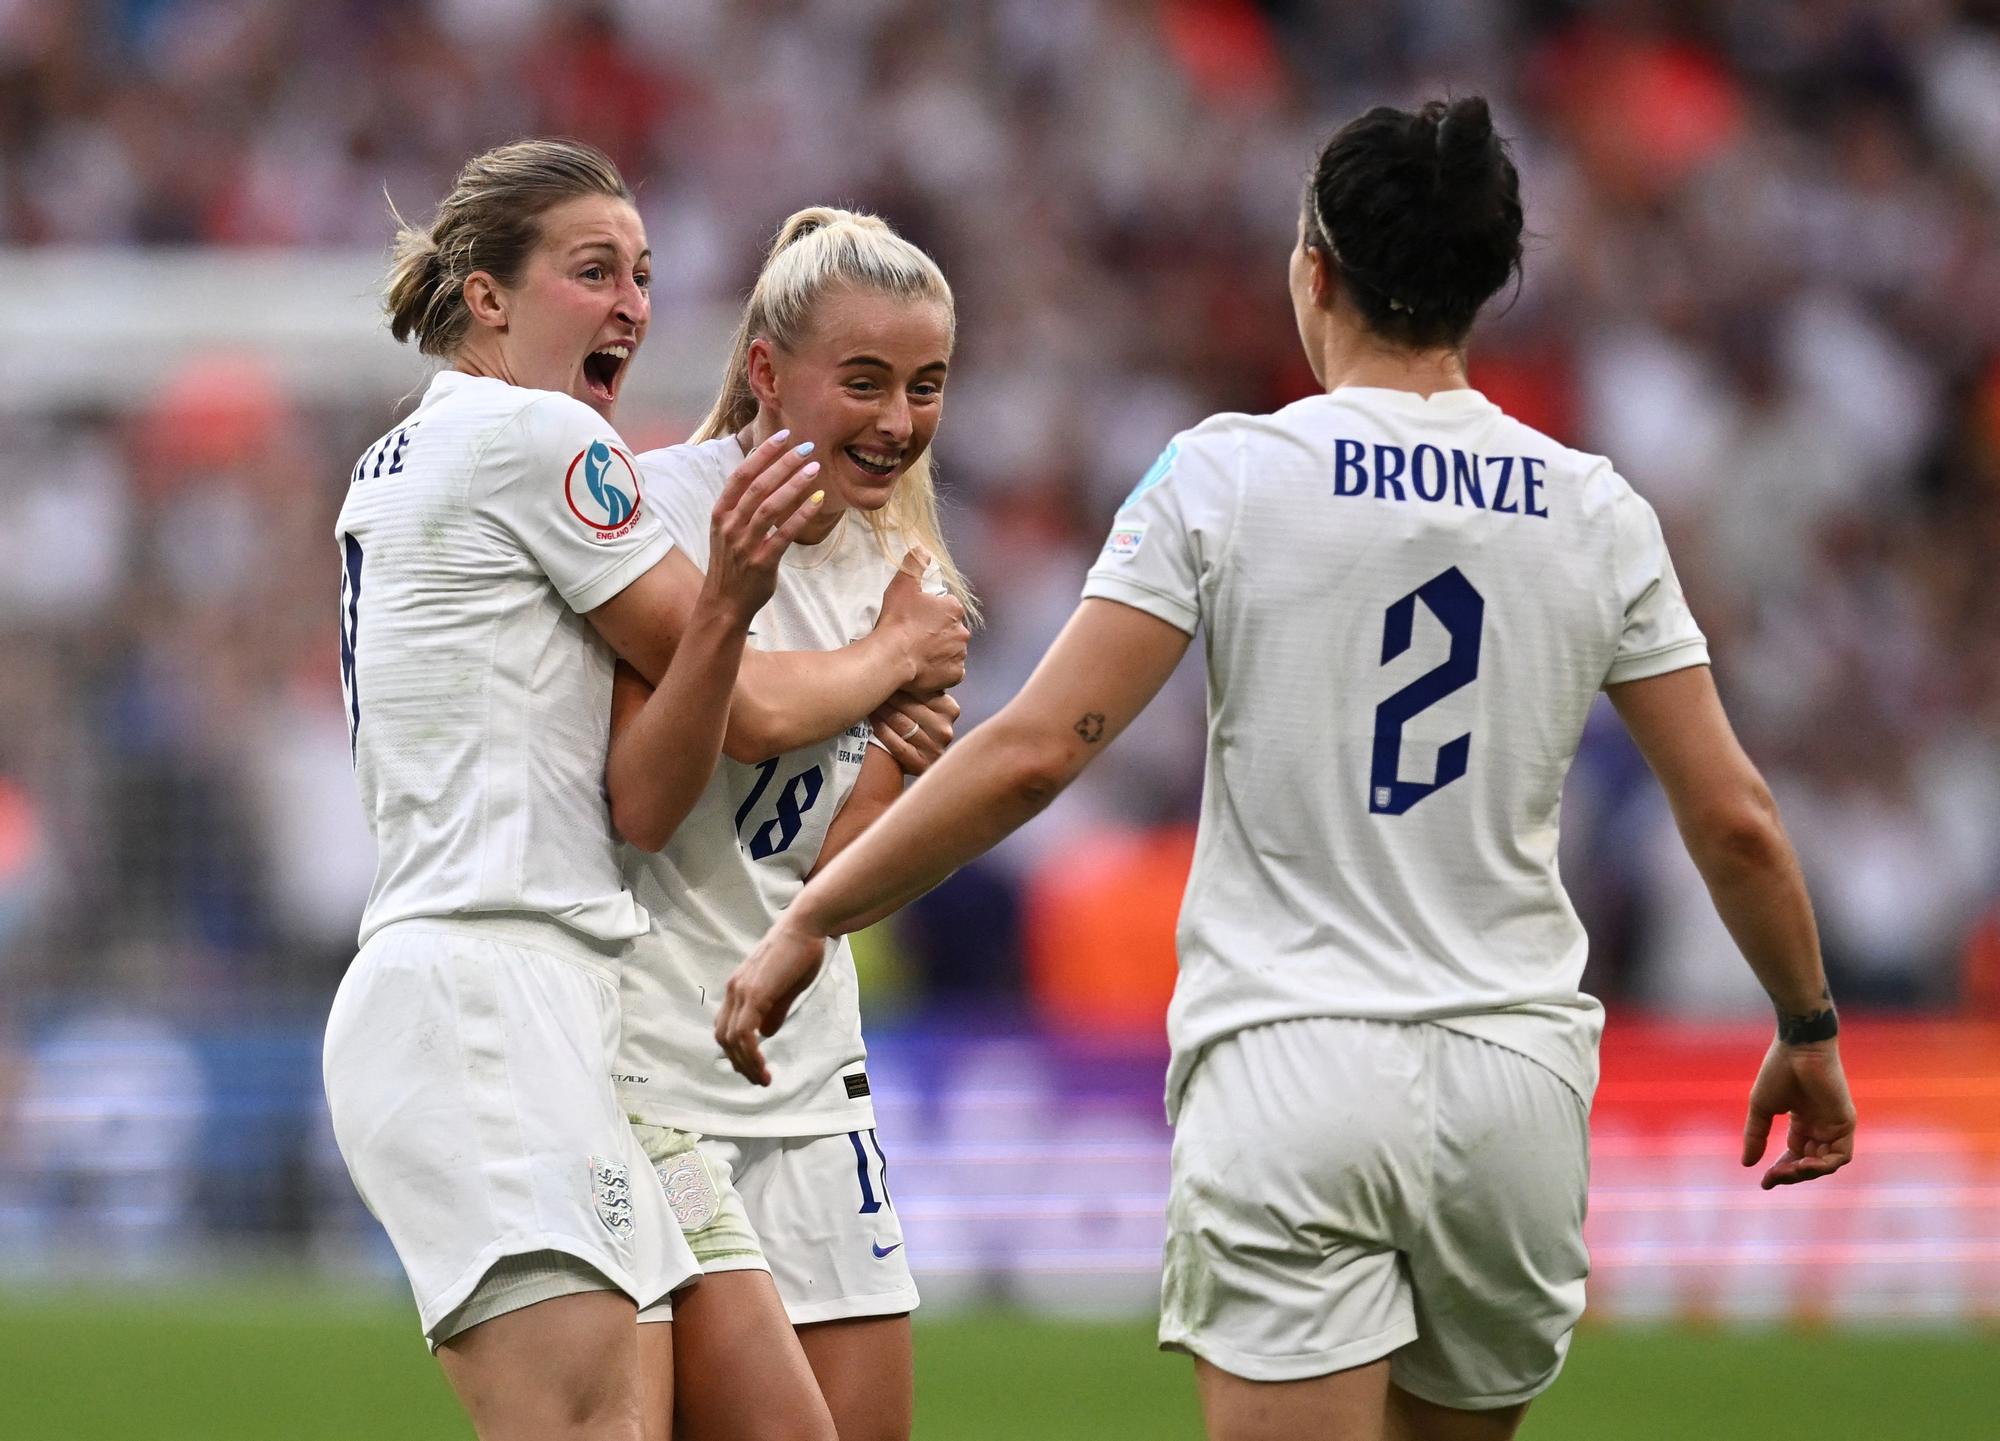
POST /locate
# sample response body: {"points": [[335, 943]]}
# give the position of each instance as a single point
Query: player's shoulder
{"points": [[1590, 481], [1203, 456], [518, 427]]}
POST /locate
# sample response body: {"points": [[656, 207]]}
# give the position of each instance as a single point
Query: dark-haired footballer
{"points": [[1382, 1066]]}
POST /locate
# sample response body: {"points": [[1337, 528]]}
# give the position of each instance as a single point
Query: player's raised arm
{"points": [[783, 700], [664, 741], [1731, 828], [1107, 664]]}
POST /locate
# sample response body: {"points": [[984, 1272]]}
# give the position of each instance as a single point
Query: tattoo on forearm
{"points": [[1798, 1028], [1091, 727]]}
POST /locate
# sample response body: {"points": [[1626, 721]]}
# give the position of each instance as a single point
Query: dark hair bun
{"points": [[1421, 213]]}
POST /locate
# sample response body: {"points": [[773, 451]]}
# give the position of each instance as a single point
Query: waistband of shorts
{"points": [[532, 929]]}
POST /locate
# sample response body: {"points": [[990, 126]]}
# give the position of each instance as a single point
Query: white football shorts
{"points": [[1345, 1190], [467, 1071], [814, 1211]]}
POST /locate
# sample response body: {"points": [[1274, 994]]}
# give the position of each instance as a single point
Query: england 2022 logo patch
{"points": [[602, 487], [611, 1188]]}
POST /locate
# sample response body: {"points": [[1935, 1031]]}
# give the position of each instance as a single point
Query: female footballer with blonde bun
{"points": [[1381, 1064], [846, 342]]}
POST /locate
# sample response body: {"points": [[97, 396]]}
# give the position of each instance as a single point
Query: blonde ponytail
{"points": [[817, 251]]}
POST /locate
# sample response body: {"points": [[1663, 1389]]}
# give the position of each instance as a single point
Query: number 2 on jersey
{"points": [[1462, 611], [800, 794]]}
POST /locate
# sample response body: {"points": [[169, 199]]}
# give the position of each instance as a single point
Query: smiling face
{"points": [[865, 385], [576, 314]]}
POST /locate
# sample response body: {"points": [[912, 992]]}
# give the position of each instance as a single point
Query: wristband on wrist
{"points": [[1800, 1030]]}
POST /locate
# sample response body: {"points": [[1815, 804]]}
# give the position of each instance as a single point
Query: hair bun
{"points": [[1464, 135]]}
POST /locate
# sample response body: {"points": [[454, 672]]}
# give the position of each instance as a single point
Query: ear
{"points": [[1322, 281], [763, 374], [485, 300]]}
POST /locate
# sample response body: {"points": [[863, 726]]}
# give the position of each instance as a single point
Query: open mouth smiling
{"points": [[878, 463]]}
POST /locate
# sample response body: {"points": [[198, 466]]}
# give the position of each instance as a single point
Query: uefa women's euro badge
{"points": [[690, 1190], [611, 1187], [602, 487]]}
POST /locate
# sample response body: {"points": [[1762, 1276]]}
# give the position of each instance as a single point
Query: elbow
{"points": [[1742, 835], [751, 734], [639, 828], [637, 817], [1038, 770]]}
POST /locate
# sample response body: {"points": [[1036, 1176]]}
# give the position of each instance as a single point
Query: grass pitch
{"points": [[279, 1363]]}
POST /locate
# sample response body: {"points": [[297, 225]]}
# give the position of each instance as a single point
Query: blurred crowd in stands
{"points": [[1765, 279]]}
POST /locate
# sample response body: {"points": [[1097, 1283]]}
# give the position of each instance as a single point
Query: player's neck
{"points": [[1362, 360]]}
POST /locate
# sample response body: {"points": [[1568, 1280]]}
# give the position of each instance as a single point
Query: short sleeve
{"points": [[1166, 534], [1659, 633], [675, 487], [563, 484]]}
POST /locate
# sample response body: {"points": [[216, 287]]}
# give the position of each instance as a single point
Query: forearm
{"points": [[875, 790], [986, 787], [1754, 879], [788, 699], [662, 759]]}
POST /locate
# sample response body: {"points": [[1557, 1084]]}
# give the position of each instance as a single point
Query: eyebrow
{"points": [[583, 245], [881, 364]]}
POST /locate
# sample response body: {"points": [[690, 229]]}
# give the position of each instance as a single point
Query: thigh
{"points": [[566, 1368], [867, 1372], [1499, 1263], [469, 1090], [1411, 1418], [739, 1372], [1293, 1166], [1343, 1406], [826, 1219]]}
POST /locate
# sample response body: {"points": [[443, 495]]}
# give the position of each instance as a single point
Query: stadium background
{"points": [[1765, 278]]}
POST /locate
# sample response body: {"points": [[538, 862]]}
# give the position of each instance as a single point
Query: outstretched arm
{"points": [[1731, 828], [664, 743], [1110, 660]]}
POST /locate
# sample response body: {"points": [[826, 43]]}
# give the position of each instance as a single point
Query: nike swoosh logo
{"points": [[880, 1250]]}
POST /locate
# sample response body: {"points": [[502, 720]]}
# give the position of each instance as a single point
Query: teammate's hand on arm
{"points": [[915, 732], [665, 740], [1806, 1083], [928, 632], [789, 699], [760, 993]]}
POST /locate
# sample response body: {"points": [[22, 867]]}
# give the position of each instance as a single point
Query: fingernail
{"points": [[811, 469], [816, 497], [804, 449], [780, 435]]}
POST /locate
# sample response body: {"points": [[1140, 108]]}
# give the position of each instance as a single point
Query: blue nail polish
{"points": [[805, 449]]}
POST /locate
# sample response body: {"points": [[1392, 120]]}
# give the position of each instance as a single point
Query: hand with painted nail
{"points": [[929, 629], [770, 498]]}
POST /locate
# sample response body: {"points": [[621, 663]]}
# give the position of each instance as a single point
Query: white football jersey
{"points": [[474, 536], [1408, 606], [743, 854]]}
